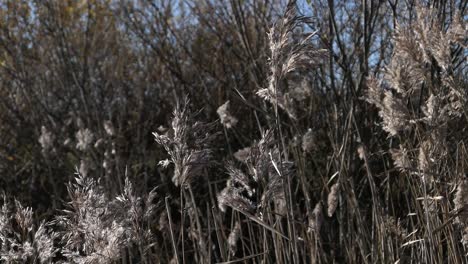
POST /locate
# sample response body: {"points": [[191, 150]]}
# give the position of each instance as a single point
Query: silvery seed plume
{"points": [[375, 92], [44, 243], [233, 197], [87, 224], [432, 41], [237, 177], [392, 109], [420, 48], [394, 114], [401, 158], [426, 158], [84, 139], [234, 238], [242, 155], [136, 211], [316, 219], [226, 118], [361, 152], [332, 201], [258, 161], [266, 169], [286, 57], [16, 225], [96, 228], [20, 241], [23, 217], [187, 145]]}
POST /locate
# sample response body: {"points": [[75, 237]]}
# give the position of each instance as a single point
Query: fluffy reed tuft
{"points": [[332, 200], [288, 56], [225, 116], [187, 143]]}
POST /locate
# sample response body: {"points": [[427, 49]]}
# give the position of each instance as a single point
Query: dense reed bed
{"points": [[233, 131]]}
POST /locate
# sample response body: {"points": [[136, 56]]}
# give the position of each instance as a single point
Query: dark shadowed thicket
{"points": [[241, 131]]}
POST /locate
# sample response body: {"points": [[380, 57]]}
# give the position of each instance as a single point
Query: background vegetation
{"points": [[255, 131]]}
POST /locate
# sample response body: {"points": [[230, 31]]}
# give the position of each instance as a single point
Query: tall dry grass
{"points": [[329, 146]]}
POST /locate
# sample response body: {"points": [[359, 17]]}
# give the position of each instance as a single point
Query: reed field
{"points": [[240, 131]]}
